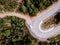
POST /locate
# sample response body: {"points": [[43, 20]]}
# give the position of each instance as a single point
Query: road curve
{"points": [[20, 15], [34, 25], [34, 28]]}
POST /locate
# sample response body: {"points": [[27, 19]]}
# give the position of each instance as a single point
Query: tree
{"points": [[33, 6], [41, 6], [7, 8], [23, 9], [13, 4]]}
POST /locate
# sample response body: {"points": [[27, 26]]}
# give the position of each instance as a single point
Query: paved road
{"points": [[34, 26]]}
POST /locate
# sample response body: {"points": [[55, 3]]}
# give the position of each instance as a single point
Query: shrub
{"points": [[8, 5]]}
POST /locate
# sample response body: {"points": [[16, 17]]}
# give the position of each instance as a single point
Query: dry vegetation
{"points": [[31, 7], [51, 22], [13, 30]]}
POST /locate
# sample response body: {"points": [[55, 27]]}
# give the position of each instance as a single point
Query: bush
{"points": [[7, 8], [13, 4], [2, 2], [57, 18]]}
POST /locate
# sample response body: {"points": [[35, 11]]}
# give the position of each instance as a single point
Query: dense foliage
{"points": [[53, 21], [30, 7], [8, 5], [51, 43], [57, 18], [33, 6], [12, 32]]}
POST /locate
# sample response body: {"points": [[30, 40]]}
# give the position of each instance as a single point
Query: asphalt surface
{"points": [[35, 29]]}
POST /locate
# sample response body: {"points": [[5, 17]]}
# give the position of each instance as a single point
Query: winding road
{"points": [[34, 23], [35, 29]]}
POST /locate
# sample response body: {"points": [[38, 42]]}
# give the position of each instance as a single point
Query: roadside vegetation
{"points": [[57, 17], [33, 6], [8, 5], [57, 38], [53, 21], [13, 32]]}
